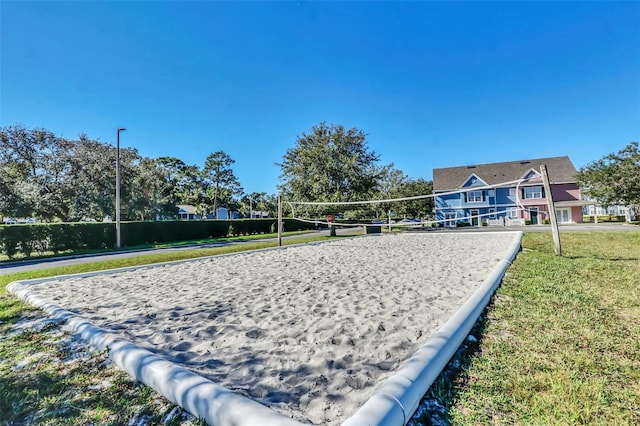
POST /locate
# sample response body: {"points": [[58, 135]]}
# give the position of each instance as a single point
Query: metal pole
{"points": [[552, 211], [279, 220], [118, 187]]}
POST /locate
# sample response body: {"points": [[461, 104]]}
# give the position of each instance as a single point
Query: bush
{"points": [[9, 241], [604, 218]]}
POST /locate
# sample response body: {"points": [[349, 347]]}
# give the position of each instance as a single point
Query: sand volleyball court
{"points": [[309, 331]]}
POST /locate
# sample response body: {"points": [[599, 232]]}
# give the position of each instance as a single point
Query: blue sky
{"points": [[433, 84]]}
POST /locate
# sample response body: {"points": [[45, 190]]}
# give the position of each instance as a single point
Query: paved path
{"points": [[36, 264]]}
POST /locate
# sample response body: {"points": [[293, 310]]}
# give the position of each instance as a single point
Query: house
{"points": [[506, 193], [259, 214], [187, 212], [222, 213], [596, 210]]}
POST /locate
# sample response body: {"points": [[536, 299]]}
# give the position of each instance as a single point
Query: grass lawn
{"points": [[558, 345]]}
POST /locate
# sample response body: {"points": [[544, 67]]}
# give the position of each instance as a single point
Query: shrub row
{"points": [[60, 237], [56, 238], [607, 218]]}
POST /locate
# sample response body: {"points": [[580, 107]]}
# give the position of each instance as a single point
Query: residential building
{"points": [[187, 212], [596, 210], [506, 193]]}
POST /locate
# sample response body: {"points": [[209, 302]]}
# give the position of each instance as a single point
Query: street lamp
{"points": [[118, 187]]}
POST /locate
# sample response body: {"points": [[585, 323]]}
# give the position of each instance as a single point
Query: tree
{"points": [[36, 171], [416, 187], [53, 178], [91, 178], [615, 178], [221, 183], [389, 186], [395, 184], [163, 183], [329, 164], [259, 202]]}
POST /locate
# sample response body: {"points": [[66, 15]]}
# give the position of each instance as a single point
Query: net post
{"points": [[279, 220], [552, 211]]}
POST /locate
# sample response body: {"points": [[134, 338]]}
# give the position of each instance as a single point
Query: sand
{"points": [[309, 331]]}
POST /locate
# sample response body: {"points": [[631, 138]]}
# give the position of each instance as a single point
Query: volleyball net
{"points": [[411, 211]]}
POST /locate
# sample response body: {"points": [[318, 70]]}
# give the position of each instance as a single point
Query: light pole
{"points": [[118, 187], [250, 207]]}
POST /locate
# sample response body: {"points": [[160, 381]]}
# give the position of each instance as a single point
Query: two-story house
{"points": [[506, 193]]}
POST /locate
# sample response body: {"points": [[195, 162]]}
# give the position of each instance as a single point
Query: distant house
{"points": [[187, 212], [259, 214], [222, 213], [596, 210], [506, 193]]}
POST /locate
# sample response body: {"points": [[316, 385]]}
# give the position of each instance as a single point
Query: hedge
{"points": [[605, 218], [64, 237]]}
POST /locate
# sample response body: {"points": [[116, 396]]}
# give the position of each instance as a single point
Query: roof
{"points": [[187, 208], [560, 169]]}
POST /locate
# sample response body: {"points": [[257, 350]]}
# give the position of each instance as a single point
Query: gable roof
{"points": [[560, 169], [186, 208], [473, 180]]}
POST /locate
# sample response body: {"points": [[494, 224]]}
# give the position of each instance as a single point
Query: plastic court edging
{"points": [[392, 404]]}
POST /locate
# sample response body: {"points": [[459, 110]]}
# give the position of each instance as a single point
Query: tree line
{"points": [[52, 178]]}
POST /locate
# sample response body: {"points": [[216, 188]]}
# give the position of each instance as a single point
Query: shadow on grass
{"points": [[45, 376], [436, 404]]}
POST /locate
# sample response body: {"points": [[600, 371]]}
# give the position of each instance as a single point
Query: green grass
{"points": [[560, 343], [41, 383]]}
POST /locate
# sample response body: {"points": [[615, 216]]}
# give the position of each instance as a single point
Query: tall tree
{"points": [[417, 187], [92, 178], [395, 184], [222, 184], [53, 178], [615, 178], [390, 186], [330, 163], [36, 167]]}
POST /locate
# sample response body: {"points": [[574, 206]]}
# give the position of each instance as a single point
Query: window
{"points": [[492, 213], [563, 215], [531, 192], [450, 220], [513, 213], [474, 197], [512, 192]]}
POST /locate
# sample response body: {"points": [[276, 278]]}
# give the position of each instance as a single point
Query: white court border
{"points": [[392, 404]]}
